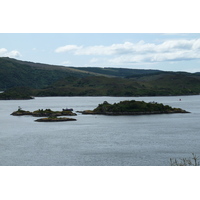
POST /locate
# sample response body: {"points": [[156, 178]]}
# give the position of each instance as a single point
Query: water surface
{"points": [[98, 140]]}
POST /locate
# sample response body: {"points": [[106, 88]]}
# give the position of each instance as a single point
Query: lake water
{"points": [[98, 140]]}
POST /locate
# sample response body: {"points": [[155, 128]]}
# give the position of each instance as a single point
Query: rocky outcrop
{"points": [[49, 119], [43, 113], [21, 112], [51, 116]]}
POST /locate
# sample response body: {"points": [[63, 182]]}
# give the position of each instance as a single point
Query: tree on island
{"points": [[133, 107]]}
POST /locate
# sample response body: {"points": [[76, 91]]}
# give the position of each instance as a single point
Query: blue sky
{"points": [[169, 52], [141, 34]]}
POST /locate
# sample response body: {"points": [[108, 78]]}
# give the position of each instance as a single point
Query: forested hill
{"points": [[51, 80], [14, 73], [156, 85]]}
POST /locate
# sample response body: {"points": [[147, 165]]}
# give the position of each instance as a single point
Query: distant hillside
{"points": [[172, 83], [156, 85], [16, 94], [15, 73], [51, 80], [91, 86], [119, 72]]}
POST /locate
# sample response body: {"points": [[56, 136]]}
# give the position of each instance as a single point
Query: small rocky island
{"points": [[55, 119], [43, 113], [133, 108], [50, 116]]}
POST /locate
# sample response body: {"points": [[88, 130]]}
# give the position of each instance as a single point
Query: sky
{"points": [[163, 51]]}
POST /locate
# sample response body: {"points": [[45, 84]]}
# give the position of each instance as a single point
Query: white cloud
{"points": [[2, 51], [13, 54], [67, 48], [170, 50], [156, 57]]}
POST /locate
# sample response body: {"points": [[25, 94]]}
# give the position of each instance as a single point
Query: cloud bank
{"points": [[13, 54], [141, 52]]}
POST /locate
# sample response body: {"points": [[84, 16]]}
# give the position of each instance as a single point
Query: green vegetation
{"points": [[51, 116], [185, 161], [119, 72], [91, 86], [14, 73], [49, 80], [21, 112], [133, 108], [55, 119], [16, 93], [43, 113], [154, 85], [49, 112]]}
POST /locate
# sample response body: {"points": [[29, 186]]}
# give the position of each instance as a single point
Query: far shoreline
{"points": [[36, 97]]}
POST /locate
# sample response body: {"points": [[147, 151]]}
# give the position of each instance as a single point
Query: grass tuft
{"points": [[185, 161]]}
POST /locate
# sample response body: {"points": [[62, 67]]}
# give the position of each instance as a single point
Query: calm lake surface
{"points": [[98, 140]]}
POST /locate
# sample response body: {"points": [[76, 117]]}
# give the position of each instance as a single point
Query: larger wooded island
{"points": [[133, 108]]}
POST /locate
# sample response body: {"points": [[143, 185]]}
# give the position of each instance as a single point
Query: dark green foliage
{"points": [[21, 112], [48, 80], [49, 112], [162, 85], [16, 93], [14, 73], [119, 72], [55, 119], [43, 113], [90, 86], [133, 106]]}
